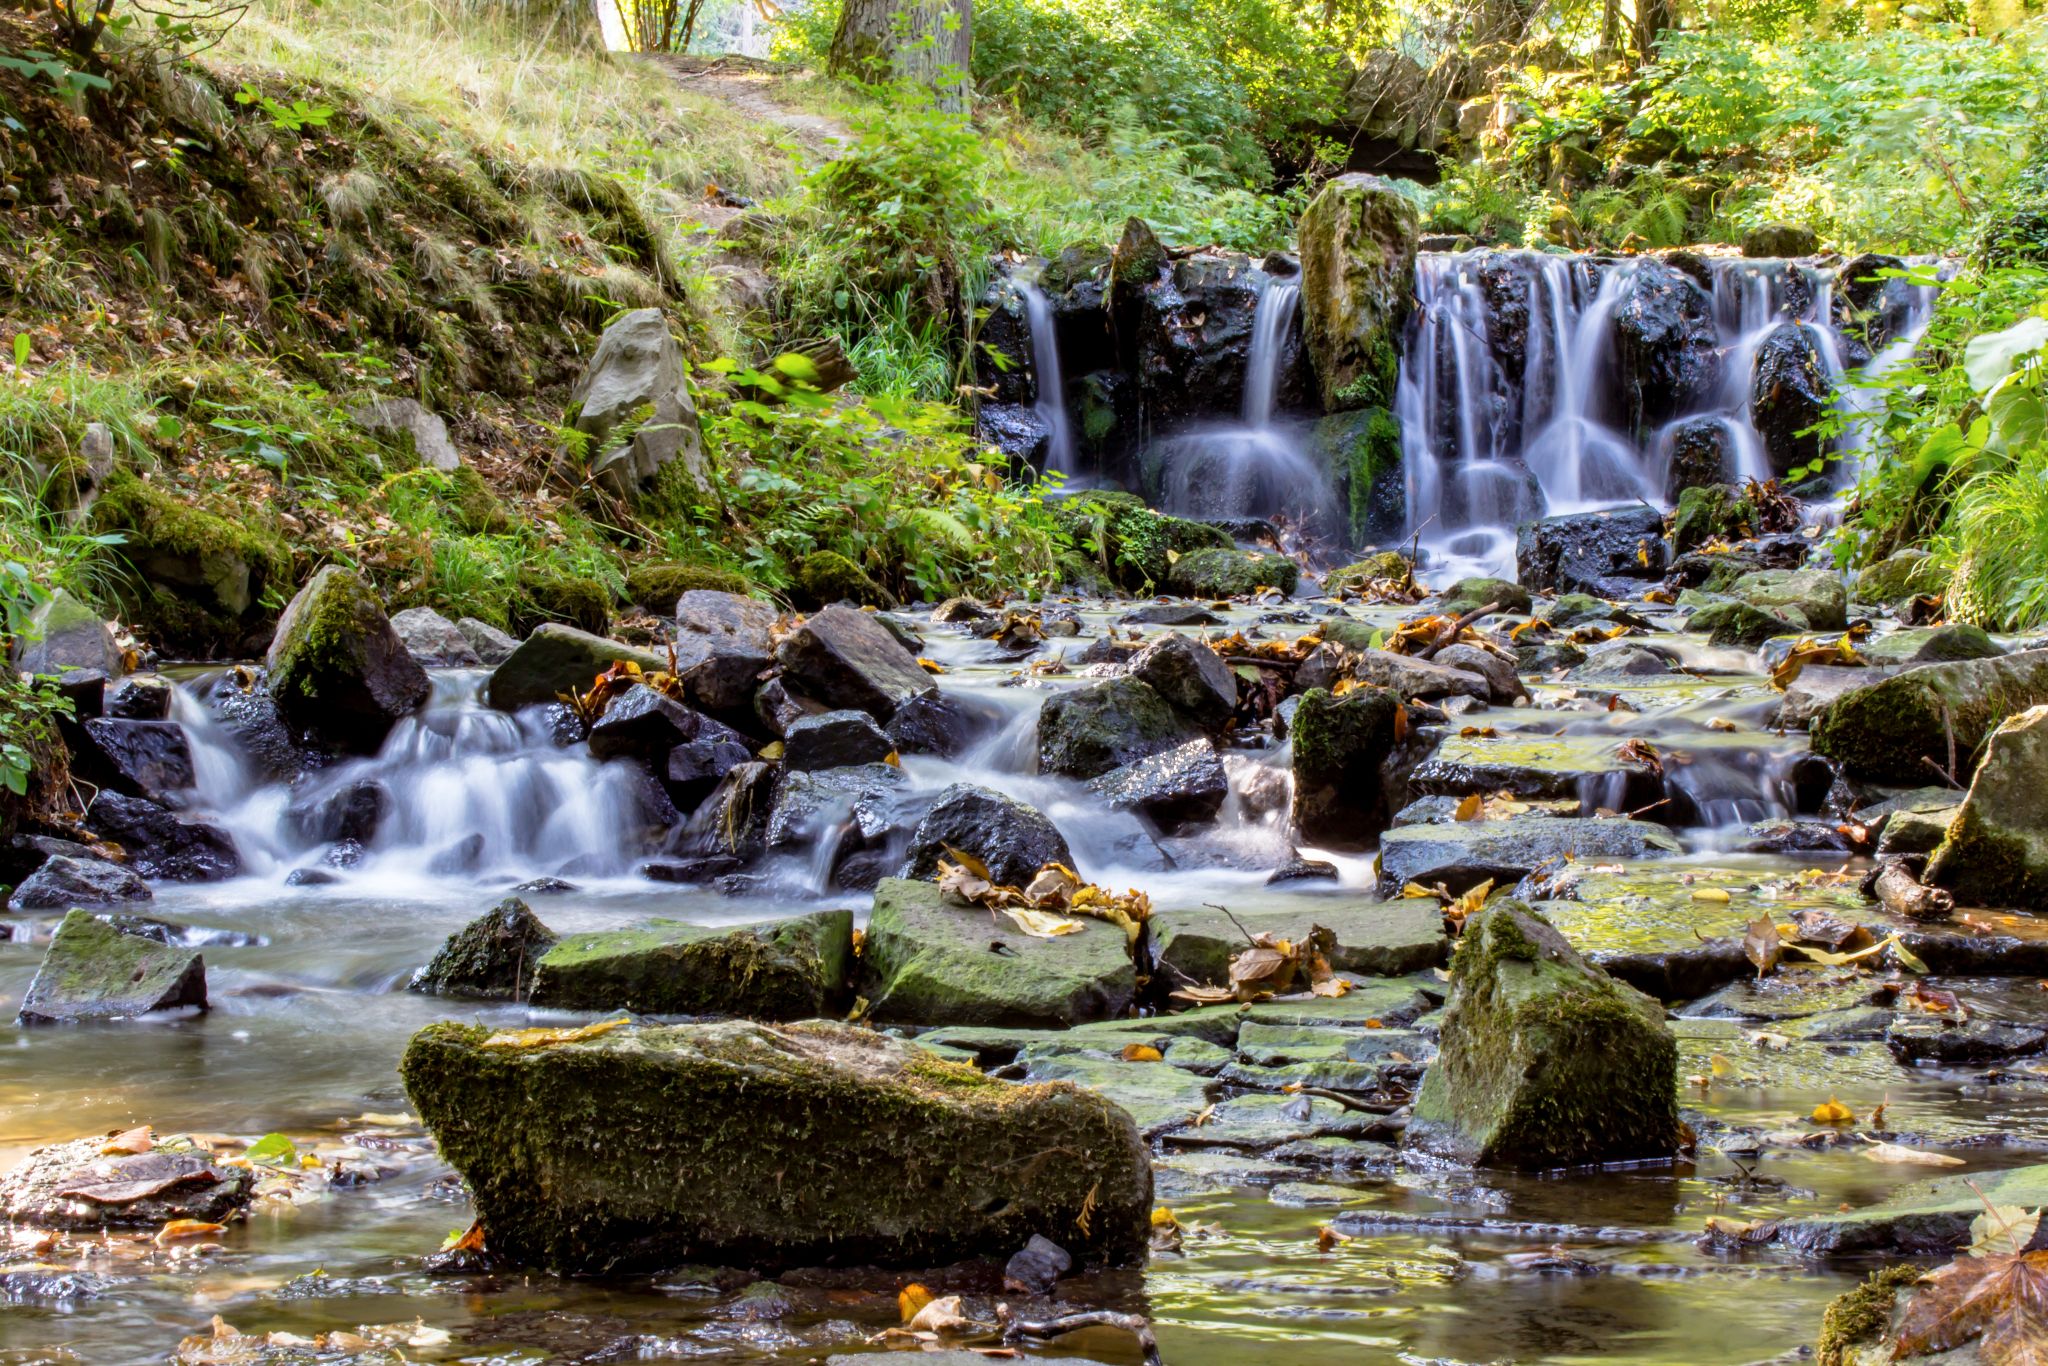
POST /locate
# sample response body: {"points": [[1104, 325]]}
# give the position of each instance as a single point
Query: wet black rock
{"points": [[321, 813], [1170, 614], [1883, 306], [1462, 854], [240, 702], [1700, 454], [1037, 1267], [699, 764], [643, 724], [1339, 747], [491, 958], [1300, 868], [939, 725], [863, 802], [63, 881], [158, 844], [311, 877], [1013, 839], [1191, 677], [835, 739], [1789, 394], [21, 855], [97, 970], [690, 870], [1609, 554], [1978, 1040], [1178, 787], [723, 645], [1018, 430], [1085, 732], [845, 658], [140, 758], [1667, 347], [139, 697]]}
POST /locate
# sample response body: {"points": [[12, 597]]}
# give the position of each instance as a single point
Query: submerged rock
{"points": [[1011, 838], [1921, 1218], [846, 658], [1339, 745], [929, 961], [62, 882], [1462, 854], [96, 970], [558, 659], [1894, 729], [492, 957], [73, 1186], [1995, 851], [1085, 732], [1544, 1060], [818, 1144], [158, 844], [337, 668], [789, 969]]}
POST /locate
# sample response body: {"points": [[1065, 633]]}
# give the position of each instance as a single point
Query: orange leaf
{"points": [[1142, 1052], [912, 1299]]}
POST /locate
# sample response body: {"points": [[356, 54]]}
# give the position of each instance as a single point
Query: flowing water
{"points": [[309, 1013], [1051, 403]]}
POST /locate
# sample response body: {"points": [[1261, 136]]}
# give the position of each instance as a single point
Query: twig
{"points": [[1235, 921], [1446, 634], [1135, 1324], [1348, 1102]]}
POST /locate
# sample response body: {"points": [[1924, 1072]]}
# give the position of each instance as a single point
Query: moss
{"points": [[1339, 745], [657, 586], [1892, 730], [826, 577], [574, 599], [477, 510], [1227, 572], [195, 580], [1135, 546], [784, 970], [1859, 1317], [1086, 732], [1710, 511]]}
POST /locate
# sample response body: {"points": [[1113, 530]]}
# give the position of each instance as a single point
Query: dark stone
{"points": [[937, 724], [1709, 511], [311, 877], [1177, 787], [1085, 732], [336, 667], [1882, 307], [64, 881], [1947, 1044], [139, 697], [1667, 347], [1606, 554], [1699, 455], [462, 856], [723, 645], [1780, 240], [158, 844], [834, 739], [492, 957], [845, 658], [642, 724], [141, 758], [792, 968], [559, 659], [241, 703], [698, 765], [1462, 854], [689, 871], [1339, 746], [1301, 869], [324, 814], [96, 970], [1191, 677], [863, 799], [1035, 1269], [1013, 839], [21, 855], [1170, 614], [1788, 394]]}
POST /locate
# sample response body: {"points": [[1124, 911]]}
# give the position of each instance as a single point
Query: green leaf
{"points": [[273, 1150], [21, 350], [1990, 357]]}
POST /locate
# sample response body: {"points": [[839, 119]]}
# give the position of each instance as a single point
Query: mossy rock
{"points": [[1814, 596], [929, 961], [475, 508], [337, 669], [1469, 595], [1085, 732], [490, 958], [1862, 1317], [1730, 622], [1708, 512], [1996, 849], [571, 599], [1892, 730], [197, 580], [826, 577], [1227, 572], [1544, 1060], [1339, 745], [1360, 454], [1135, 546], [1357, 240], [93, 970], [1904, 574], [658, 587], [557, 659], [647, 1147], [790, 969], [1139, 255], [1358, 575]]}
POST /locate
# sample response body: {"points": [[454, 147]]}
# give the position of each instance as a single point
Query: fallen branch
{"points": [[1446, 634], [1364, 1107], [1135, 1324]]}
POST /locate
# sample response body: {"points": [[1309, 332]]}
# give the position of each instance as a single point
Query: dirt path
{"points": [[749, 86]]}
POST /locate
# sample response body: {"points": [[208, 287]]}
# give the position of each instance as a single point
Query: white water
{"points": [[1051, 405]]}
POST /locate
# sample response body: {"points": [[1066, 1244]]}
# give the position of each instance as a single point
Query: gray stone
{"points": [[1607, 554], [1182, 786], [74, 1186], [1085, 732], [634, 405], [1893, 729], [62, 882], [1387, 939], [1931, 645], [493, 647], [1012, 839], [1995, 851], [844, 657], [66, 638], [1813, 599], [558, 659], [1921, 1218], [434, 641], [789, 969], [1191, 677], [1465, 853], [95, 971], [834, 739], [412, 419], [723, 645], [1503, 684]]}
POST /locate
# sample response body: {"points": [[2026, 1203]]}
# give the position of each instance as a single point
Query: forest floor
{"points": [[751, 86]]}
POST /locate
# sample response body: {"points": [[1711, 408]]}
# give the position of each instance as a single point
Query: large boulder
{"points": [[723, 645], [1667, 347], [834, 739], [1544, 1060], [930, 961], [1191, 677], [1788, 394], [1339, 745], [558, 659], [62, 882], [1779, 239], [1359, 454], [634, 407], [491, 958], [743, 1144], [1708, 512], [1893, 730], [433, 641], [336, 667], [197, 579], [1185, 785], [1996, 850], [1227, 572], [845, 657], [79, 1186], [68, 641], [1903, 574], [790, 969], [1462, 854], [1357, 241], [96, 971], [1608, 554], [1085, 732], [1699, 452], [158, 844], [1814, 597], [141, 758], [1013, 840], [642, 723]]}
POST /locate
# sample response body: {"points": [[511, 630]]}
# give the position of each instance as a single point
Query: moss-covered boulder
{"points": [[490, 958], [198, 579], [930, 961], [68, 641], [1544, 1060], [791, 969], [1357, 241], [571, 599], [826, 577], [634, 409], [1469, 595], [1360, 454], [656, 587], [1996, 850], [1732, 622], [1227, 572], [1384, 565], [1944, 644], [1339, 744], [337, 668], [95, 970], [1904, 574], [1085, 732], [1893, 729], [557, 659], [1710, 512], [1779, 239], [1129, 542], [1813, 596], [744, 1144]]}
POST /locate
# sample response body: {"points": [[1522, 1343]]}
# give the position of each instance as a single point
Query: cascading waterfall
{"points": [[1510, 411], [1051, 405]]}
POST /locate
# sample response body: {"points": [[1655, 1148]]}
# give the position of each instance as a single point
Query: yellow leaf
{"points": [[128, 1143], [1416, 889], [542, 1038], [969, 862], [470, 1239], [770, 752], [1041, 924], [930, 666], [1468, 809], [911, 1299], [1142, 1052], [1720, 1066], [1709, 894], [178, 1230], [1834, 1112], [1330, 986], [1162, 1217]]}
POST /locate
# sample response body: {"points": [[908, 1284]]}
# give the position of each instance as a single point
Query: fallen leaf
{"points": [[1330, 986], [911, 1299], [129, 1143], [1912, 1157], [470, 1239], [1469, 808], [2003, 1230], [1142, 1052], [179, 1230], [1762, 944], [542, 1038], [1041, 924], [1833, 1112], [1328, 1239], [1719, 894], [944, 1318]]}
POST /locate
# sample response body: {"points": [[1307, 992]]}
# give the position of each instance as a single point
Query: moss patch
{"points": [[658, 586], [790, 969]]}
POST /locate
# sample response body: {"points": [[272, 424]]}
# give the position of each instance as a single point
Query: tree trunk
{"points": [[924, 42], [1652, 18]]}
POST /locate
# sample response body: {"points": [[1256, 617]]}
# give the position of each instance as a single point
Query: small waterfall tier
{"points": [[1536, 384]]}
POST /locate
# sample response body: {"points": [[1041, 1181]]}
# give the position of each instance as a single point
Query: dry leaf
{"points": [[1904, 1156], [1142, 1052], [1469, 808], [1041, 924], [1328, 1239], [129, 1143], [944, 1318], [1833, 1112], [178, 1230], [1717, 894], [542, 1038], [911, 1299]]}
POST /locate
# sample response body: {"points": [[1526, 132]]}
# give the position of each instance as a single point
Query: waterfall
{"points": [[1272, 325], [1051, 406], [464, 791], [1510, 411]]}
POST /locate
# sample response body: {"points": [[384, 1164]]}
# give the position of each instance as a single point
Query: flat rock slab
{"points": [[742, 1144], [1921, 1219], [74, 1186], [928, 961], [1158, 1095], [1465, 853], [1258, 1123], [789, 969], [1390, 938], [94, 970], [1537, 764]]}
